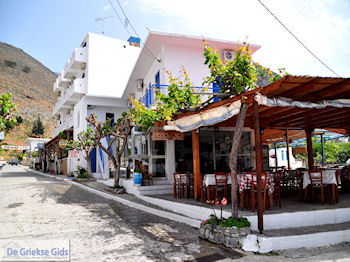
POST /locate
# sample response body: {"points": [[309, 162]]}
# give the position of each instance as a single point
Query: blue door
{"points": [[93, 161], [157, 81]]}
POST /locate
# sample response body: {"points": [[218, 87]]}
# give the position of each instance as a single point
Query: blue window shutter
{"points": [[216, 89]]}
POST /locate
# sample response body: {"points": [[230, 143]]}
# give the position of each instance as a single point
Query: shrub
{"points": [[237, 222], [26, 69], [10, 63], [19, 119]]}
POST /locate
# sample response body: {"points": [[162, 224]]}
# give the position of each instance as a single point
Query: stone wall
{"points": [[230, 237]]}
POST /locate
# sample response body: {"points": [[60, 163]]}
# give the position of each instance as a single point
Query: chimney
{"points": [[135, 41]]}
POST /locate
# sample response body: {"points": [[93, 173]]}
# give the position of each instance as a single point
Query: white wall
{"points": [[110, 62], [190, 57], [282, 159], [79, 115]]}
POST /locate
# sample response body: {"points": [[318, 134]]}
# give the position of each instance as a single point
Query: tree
{"points": [[38, 128], [85, 142], [234, 78], [118, 133], [7, 110]]}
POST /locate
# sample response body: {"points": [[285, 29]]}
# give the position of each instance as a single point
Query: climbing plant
{"points": [[179, 96]]}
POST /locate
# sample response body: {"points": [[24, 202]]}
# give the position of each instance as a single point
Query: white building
{"points": [[282, 158], [93, 81], [170, 52]]}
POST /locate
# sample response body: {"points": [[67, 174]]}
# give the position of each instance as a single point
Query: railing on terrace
{"points": [[148, 99]]}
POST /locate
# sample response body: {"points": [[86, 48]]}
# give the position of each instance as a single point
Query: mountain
{"points": [[30, 83]]}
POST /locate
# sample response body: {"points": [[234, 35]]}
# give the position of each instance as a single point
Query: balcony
{"points": [[76, 63], [149, 98], [70, 95], [63, 124]]}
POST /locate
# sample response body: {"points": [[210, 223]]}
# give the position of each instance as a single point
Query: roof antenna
{"points": [[101, 19]]}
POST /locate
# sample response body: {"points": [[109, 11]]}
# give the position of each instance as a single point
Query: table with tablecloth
{"points": [[328, 178]]}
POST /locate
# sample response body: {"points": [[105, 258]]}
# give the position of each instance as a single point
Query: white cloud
{"points": [[313, 22]]}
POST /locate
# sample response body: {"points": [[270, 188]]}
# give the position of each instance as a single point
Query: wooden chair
{"points": [[221, 183], [299, 178], [188, 184], [316, 181], [345, 179], [254, 189], [277, 188], [147, 177], [337, 186], [177, 185]]}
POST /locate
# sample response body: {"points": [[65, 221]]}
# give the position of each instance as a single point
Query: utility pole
{"points": [[101, 19]]}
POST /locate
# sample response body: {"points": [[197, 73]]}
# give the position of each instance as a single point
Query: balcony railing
{"points": [[76, 63], [63, 125], [70, 95], [148, 99]]}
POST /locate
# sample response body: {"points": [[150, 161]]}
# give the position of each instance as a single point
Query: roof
{"points": [[297, 88]]}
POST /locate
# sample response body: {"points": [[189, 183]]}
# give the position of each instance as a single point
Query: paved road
{"points": [[33, 207]]}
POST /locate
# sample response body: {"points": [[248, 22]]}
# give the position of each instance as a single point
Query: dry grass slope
{"points": [[31, 83]]}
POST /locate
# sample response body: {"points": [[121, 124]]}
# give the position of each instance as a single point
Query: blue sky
{"points": [[50, 30]]}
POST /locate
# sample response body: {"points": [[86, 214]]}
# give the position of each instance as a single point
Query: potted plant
{"points": [[228, 231], [137, 176]]}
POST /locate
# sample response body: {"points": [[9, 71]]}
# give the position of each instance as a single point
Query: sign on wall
{"points": [[73, 153], [161, 135], [15, 147], [62, 143]]}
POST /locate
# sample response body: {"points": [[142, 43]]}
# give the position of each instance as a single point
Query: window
{"points": [[111, 117]]}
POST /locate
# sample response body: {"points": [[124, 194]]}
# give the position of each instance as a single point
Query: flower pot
{"points": [[137, 179]]}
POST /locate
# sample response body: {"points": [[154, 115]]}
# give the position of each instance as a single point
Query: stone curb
{"points": [[178, 218]]}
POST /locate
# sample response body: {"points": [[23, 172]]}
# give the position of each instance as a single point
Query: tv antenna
{"points": [[101, 19]]}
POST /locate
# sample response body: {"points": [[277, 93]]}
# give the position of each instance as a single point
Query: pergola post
{"points": [[323, 157], [288, 157], [310, 156], [196, 164], [259, 165]]}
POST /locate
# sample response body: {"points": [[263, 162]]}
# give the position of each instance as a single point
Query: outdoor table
{"points": [[328, 178], [245, 183], [209, 180]]}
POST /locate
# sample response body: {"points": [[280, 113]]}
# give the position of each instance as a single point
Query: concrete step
{"points": [[301, 237], [155, 189]]}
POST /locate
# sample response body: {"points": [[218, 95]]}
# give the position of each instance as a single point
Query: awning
{"points": [[205, 118], [288, 102]]}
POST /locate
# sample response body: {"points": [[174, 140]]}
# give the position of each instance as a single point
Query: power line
{"points": [[299, 40], [126, 23]]}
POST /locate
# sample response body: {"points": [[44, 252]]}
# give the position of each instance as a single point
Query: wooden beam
{"points": [[304, 88], [259, 165], [310, 156], [196, 164]]}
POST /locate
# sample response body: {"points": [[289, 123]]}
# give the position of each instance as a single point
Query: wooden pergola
{"points": [[263, 117]]}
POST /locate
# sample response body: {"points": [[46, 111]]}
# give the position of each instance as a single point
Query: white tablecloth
{"points": [[328, 177], [209, 180]]}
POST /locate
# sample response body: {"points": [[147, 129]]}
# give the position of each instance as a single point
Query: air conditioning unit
{"points": [[139, 84], [229, 55]]}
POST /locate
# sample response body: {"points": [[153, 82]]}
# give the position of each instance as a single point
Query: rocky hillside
{"points": [[30, 83]]}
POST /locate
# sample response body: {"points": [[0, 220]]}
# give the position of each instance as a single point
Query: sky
{"points": [[50, 30]]}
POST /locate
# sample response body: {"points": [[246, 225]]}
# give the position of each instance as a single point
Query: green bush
{"points": [[237, 222], [26, 69], [10, 63]]}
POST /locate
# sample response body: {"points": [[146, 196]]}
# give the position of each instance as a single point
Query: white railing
{"points": [[71, 94], [63, 125]]}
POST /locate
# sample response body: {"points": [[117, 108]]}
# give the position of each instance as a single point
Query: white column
{"points": [[170, 160]]}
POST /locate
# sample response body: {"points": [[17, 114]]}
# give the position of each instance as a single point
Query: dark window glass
{"points": [[158, 148], [158, 166]]}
